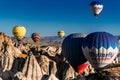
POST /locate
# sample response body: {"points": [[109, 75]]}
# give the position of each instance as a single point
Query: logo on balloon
{"points": [[101, 56]]}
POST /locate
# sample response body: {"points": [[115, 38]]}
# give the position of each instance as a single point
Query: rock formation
{"points": [[28, 61]]}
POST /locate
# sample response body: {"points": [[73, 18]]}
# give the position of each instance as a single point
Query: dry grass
{"points": [[114, 70]]}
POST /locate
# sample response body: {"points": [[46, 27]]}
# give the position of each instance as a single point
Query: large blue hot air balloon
{"points": [[72, 50], [100, 48], [96, 7]]}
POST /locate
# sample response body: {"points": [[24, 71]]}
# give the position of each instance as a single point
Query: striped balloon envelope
{"points": [[100, 48], [35, 37]]}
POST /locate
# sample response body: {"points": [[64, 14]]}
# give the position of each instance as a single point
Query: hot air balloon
{"points": [[96, 7], [35, 37], [19, 32], [61, 33], [72, 51], [100, 48]]}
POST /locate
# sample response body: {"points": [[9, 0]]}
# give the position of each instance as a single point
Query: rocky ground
{"points": [[26, 60]]}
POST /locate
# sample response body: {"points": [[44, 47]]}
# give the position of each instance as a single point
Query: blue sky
{"points": [[49, 16]]}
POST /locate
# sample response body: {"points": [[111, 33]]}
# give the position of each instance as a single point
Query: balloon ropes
{"points": [[96, 7], [19, 32], [100, 48], [35, 37], [72, 51]]}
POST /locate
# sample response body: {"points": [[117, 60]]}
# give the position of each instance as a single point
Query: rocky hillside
{"points": [[26, 60]]}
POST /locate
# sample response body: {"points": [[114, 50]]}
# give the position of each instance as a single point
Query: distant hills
{"points": [[50, 40]]}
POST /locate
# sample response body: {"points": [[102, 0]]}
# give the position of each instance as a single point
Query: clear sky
{"points": [[48, 16]]}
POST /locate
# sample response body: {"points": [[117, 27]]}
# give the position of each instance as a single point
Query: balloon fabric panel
{"points": [[72, 50]]}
